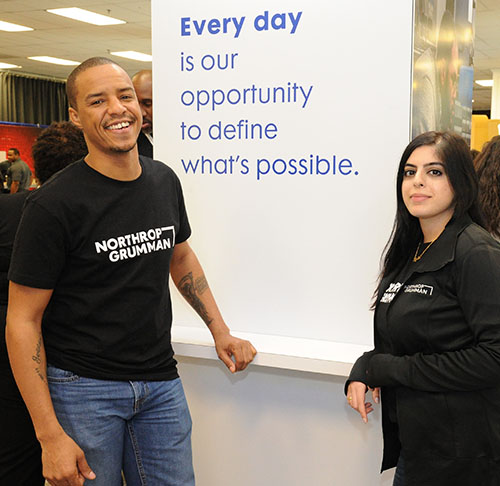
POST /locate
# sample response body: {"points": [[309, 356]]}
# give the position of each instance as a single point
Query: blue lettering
{"points": [[189, 166], [185, 26], [347, 165]]}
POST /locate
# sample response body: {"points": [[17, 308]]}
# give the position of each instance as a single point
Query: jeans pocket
{"points": [[57, 375]]}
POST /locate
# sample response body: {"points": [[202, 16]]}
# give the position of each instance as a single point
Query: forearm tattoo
{"points": [[38, 360], [191, 289]]}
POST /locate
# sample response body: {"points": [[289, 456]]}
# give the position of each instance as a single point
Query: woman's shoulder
{"points": [[474, 240]]}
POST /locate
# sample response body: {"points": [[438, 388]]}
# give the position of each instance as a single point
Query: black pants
{"points": [[20, 453]]}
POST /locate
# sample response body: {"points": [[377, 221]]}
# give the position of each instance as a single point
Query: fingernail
{"points": [[376, 400], [365, 420]]}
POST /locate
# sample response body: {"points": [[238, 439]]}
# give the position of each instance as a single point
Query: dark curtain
{"points": [[27, 99]]}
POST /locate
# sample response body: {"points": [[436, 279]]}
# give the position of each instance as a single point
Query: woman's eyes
{"points": [[433, 172], [436, 172]]}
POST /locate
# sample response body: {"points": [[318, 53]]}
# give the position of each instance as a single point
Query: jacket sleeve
{"points": [[477, 277], [359, 369]]}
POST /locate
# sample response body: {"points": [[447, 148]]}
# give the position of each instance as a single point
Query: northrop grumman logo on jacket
{"points": [[394, 288], [137, 244], [390, 293]]}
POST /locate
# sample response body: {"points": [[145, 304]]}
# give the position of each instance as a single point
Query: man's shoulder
{"points": [[157, 166], [13, 201]]}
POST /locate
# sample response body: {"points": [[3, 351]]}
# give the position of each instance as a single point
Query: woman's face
{"points": [[426, 189]]}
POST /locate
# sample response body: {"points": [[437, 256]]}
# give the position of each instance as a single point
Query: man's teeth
{"points": [[118, 126]]}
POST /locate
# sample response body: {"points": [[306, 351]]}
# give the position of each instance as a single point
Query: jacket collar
{"points": [[443, 249]]}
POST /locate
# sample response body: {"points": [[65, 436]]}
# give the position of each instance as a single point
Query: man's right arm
{"points": [[63, 461]]}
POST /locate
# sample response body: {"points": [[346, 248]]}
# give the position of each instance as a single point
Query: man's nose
{"points": [[115, 106]]}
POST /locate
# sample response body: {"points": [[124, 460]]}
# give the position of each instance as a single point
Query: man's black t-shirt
{"points": [[104, 246]]}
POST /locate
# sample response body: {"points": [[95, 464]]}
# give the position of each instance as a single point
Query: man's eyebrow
{"points": [[97, 95], [93, 95]]}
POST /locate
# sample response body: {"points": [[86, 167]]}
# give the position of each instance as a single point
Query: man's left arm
{"points": [[14, 187], [189, 278]]}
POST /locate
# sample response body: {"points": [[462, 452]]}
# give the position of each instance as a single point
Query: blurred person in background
{"points": [[18, 174], [20, 453], [143, 85], [487, 165]]}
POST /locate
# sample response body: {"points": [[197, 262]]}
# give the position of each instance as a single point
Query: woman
{"points": [[487, 165], [437, 326]]}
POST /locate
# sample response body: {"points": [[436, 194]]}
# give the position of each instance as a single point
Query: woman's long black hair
{"points": [[454, 153]]}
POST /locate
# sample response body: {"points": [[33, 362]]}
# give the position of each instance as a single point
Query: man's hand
{"points": [[235, 353], [64, 463]]}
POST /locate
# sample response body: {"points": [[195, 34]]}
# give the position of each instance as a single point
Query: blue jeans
{"points": [[399, 476], [142, 427]]}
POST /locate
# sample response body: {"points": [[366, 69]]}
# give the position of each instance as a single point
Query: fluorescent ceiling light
{"points": [[5, 65], [85, 16], [485, 82], [54, 60], [8, 27], [136, 56]]}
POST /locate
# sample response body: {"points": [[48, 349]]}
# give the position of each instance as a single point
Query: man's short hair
{"points": [[71, 81], [13, 149], [60, 144]]}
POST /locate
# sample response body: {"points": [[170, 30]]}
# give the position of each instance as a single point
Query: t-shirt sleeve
{"points": [[16, 173], [184, 228], [39, 251]]}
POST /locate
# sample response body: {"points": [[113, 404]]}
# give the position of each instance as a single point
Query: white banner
{"points": [[285, 122]]}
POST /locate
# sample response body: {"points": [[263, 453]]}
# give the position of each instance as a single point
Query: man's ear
{"points": [[73, 116]]}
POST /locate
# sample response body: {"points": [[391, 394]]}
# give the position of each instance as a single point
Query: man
{"points": [[143, 84], [97, 243], [20, 454], [18, 174]]}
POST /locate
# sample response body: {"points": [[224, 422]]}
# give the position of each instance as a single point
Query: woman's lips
{"points": [[419, 197]]}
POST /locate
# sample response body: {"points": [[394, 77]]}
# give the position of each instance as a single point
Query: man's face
{"points": [[144, 88], [107, 109], [12, 156]]}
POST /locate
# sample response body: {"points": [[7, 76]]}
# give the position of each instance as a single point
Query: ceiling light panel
{"points": [[85, 16], [54, 60], [6, 65], [485, 82], [8, 27], [136, 56]]}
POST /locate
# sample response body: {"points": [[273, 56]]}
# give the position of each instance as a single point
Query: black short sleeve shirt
{"points": [[104, 247]]}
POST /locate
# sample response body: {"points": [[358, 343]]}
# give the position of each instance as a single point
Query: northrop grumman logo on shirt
{"points": [[137, 244]]}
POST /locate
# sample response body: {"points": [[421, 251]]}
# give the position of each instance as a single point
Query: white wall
{"points": [[271, 427]]}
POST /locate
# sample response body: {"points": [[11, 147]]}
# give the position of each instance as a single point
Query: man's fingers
{"points": [[226, 359], [376, 395], [243, 354], [84, 468]]}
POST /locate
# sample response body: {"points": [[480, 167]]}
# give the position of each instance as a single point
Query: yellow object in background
{"points": [[483, 130]]}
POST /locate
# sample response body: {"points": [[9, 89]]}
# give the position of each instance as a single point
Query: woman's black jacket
{"points": [[438, 362]]}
